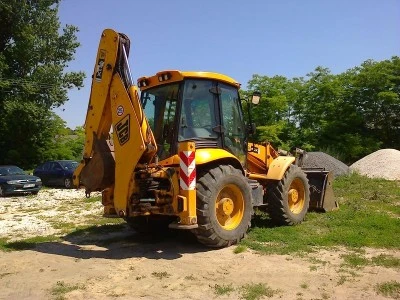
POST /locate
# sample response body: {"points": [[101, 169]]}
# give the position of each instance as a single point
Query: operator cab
{"points": [[205, 109]]}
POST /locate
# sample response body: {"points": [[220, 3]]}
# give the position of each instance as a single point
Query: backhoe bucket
{"points": [[102, 164], [321, 190]]}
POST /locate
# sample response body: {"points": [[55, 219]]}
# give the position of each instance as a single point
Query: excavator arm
{"points": [[114, 106]]}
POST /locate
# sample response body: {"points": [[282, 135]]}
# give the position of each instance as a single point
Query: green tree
{"points": [[348, 115], [375, 93], [272, 113], [34, 55], [75, 141]]}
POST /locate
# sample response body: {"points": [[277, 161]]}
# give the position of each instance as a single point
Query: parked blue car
{"points": [[13, 180], [56, 172]]}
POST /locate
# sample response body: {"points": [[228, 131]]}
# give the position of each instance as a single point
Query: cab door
{"points": [[234, 134]]}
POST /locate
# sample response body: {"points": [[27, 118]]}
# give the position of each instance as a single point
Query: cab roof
{"points": [[169, 76]]}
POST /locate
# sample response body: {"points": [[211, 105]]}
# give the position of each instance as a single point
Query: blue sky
{"points": [[236, 38]]}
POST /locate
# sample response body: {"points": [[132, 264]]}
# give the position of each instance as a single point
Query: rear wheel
{"points": [[68, 183], [224, 206], [1, 191], [288, 199]]}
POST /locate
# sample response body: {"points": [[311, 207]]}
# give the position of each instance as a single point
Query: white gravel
{"points": [[384, 163], [33, 215]]}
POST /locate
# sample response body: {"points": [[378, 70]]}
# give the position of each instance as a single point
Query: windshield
{"points": [[198, 117], [160, 105], [11, 170], [69, 165]]}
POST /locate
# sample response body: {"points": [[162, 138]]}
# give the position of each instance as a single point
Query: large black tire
{"points": [[288, 199], [224, 206], [1, 192]]}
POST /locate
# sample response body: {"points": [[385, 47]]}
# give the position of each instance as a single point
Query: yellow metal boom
{"points": [[114, 101]]}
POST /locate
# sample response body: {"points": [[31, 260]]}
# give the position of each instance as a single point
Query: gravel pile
{"points": [[384, 163], [27, 216], [323, 160]]}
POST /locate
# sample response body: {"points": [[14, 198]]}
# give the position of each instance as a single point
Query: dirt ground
{"points": [[174, 266]]}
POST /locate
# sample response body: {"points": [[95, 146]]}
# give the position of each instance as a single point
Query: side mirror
{"points": [[251, 128], [255, 98]]}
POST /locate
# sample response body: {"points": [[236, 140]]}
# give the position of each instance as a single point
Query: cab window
{"points": [[159, 105], [198, 114], [232, 121]]}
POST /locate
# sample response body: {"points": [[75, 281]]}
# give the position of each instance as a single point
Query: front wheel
{"points": [[68, 183], [2, 194], [224, 206], [288, 199]]}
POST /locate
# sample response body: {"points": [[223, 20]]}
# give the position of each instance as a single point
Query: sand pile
{"points": [[329, 163], [384, 163]]}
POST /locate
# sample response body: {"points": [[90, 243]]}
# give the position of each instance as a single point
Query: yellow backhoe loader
{"points": [[178, 153]]}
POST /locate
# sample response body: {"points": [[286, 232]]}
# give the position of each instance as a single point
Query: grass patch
{"points": [[99, 220], [92, 199], [61, 288], [304, 286], [355, 260], [87, 233], [387, 261], [161, 275], [317, 261], [239, 249], [369, 216], [313, 268], [3, 242], [223, 289], [358, 261], [5, 274], [325, 296], [97, 229], [256, 291], [63, 226], [26, 244], [342, 279], [190, 277], [389, 289], [31, 210]]}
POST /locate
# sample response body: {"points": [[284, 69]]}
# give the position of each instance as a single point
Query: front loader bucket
{"points": [[321, 190]]}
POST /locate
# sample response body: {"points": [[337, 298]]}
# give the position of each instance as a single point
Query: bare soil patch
{"points": [[126, 265]]}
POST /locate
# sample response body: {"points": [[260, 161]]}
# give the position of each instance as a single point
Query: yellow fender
{"points": [[279, 166], [204, 156]]}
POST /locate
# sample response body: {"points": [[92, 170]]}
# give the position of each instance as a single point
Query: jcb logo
{"points": [[122, 130], [100, 65]]}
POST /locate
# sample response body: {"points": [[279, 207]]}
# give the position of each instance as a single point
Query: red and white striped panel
{"points": [[187, 171]]}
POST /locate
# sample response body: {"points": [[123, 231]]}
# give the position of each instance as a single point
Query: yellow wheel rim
{"points": [[229, 207], [296, 196]]}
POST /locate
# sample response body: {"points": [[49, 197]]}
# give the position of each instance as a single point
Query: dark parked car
{"points": [[56, 172], [14, 180]]}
